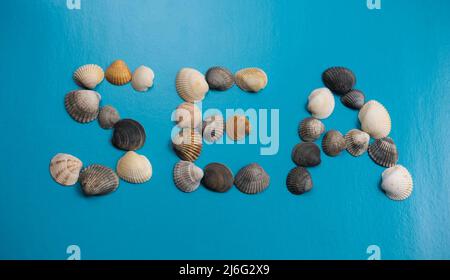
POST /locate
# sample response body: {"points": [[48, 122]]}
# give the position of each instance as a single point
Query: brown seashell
{"points": [[98, 180], [108, 117], [217, 177], [188, 144], [219, 78], [118, 73], [299, 181], [306, 154], [82, 105], [128, 135], [333, 143], [187, 176], [310, 129], [357, 142], [384, 152], [252, 179]]}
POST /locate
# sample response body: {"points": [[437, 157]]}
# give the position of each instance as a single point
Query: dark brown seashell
{"points": [[108, 117], [384, 152], [129, 135], [252, 179], [306, 154], [339, 80], [219, 78], [310, 129], [333, 143], [98, 180], [299, 181], [188, 144], [354, 99], [217, 177]]}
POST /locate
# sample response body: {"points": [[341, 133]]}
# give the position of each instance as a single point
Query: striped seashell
{"points": [[118, 73], [306, 154], [217, 177], [339, 80], [321, 103], [65, 169], [187, 176], [357, 142], [213, 128], [188, 115], [98, 180], [375, 119], [252, 179], [397, 183], [142, 78], [251, 79], [333, 143], [82, 105], [384, 152], [191, 85], [299, 181], [219, 78], [128, 135], [108, 117], [310, 129], [134, 168], [354, 99], [88, 76], [188, 144], [237, 127]]}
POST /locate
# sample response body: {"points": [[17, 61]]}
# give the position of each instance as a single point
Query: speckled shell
{"points": [[252, 179], [65, 169], [219, 78], [188, 144], [88, 76], [82, 105], [339, 80], [217, 177], [354, 99], [384, 152], [251, 79], [375, 119], [108, 117], [321, 103], [310, 129], [237, 127], [128, 135], [188, 115], [357, 142], [118, 73], [98, 180], [142, 78], [299, 181], [397, 183], [134, 168], [306, 154], [187, 176], [191, 85], [333, 143], [213, 128]]}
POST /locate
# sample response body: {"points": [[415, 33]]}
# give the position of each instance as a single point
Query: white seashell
{"points": [[188, 115], [251, 79], [65, 169], [238, 127], [134, 168], [321, 103], [213, 128], [187, 176], [397, 182], [191, 85], [142, 78], [89, 76], [375, 119]]}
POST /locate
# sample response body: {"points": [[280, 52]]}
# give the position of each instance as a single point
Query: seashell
{"points": [[187, 176], [217, 177], [384, 152], [88, 76], [357, 142], [375, 119], [118, 73], [397, 182], [82, 105], [188, 115], [134, 168], [188, 144], [142, 78], [252, 179], [213, 128], [354, 99], [191, 85], [108, 117], [65, 169], [310, 129], [237, 127], [339, 80], [333, 143], [128, 135], [299, 181], [98, 180], [219, 78], [251, 79], [321, 103], [306, 154]]}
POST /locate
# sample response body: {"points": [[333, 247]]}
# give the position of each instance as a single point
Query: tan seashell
{"points": [[321, 103], [357, 142], [134, 168], [375, 119], [310, 129], [251, 79], [65, 169], [83, 105], [188, 115], [397, 182], [142, 78], [187, 176], [238, 127], [188, 144], [252, 179], [108, 117], [88, 76], [333, 143], [118, 73], [191, 85], [213, 128]]}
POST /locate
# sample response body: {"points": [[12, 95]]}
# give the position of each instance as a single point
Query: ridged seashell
{"points": [[191, 85], [251, 79], [219, 78], [188, 115], [134, 168], [339, 80], [98, 180], [237, 127], [82, 105], [321, 103], [108, 117], [142, 78], [88, 76], [354, 99], [333, 143], [397, 182], [65, 169], [375, 119], [384, 152], [188, 144], [187, 176], [310, 129], [118, 73], [299, 181], [306, 154], [357, 142], [217, 177], [213, 128], [252, 179], [128, 135]]}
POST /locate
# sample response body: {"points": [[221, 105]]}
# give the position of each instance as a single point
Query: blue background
{"points": [[401, 55]]}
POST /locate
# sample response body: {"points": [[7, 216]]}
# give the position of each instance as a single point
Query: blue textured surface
{"points": [[401, 55]]}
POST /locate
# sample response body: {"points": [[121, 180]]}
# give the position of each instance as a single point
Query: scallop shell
{"points": [[142, 78], [333, 143], [251, 79], [375, 119], [128, 135], [188, 144], [384, 152], [82, 105], [188, 115], [321, 103], [310, 129], [299, 181], [65, 169], [306, 154], [252, 179], [357, 142], [339, 80], [88, 76], [134, 168], [191, 85], [118, 73], [219, 78], [237, 127], [108, 117], [397, 182], [213, 128], [98, 180], [187, 176], [217, 177], [354, 99]]}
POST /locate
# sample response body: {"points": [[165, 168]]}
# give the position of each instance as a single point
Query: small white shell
{"points": [[191, 85], [375, 119], [89, 76], [397, 182], [134, 168], [65, 169], [188, 115], [187, 176], [142, 78], [213, 128], [321, 103]]}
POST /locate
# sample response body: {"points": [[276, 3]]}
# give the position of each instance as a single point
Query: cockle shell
{"points": [[384, 152], [397, 182], [237, 127], [219, 78], [339, 80], [375, 119], [252, 179], [357, 142], [82, 105], [134, 168], [321, 103], [98, 180], [306, 154], [88, 76], [142, 78], [333, 143], [118, 73], [108, 117], [310, 129], [213, 128], [188, 144], [188, 115], [65, 169], [251, 79], [217, 177], [191, 85], [354, 99], [299, 181], [128, 135], [187, 176]]}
